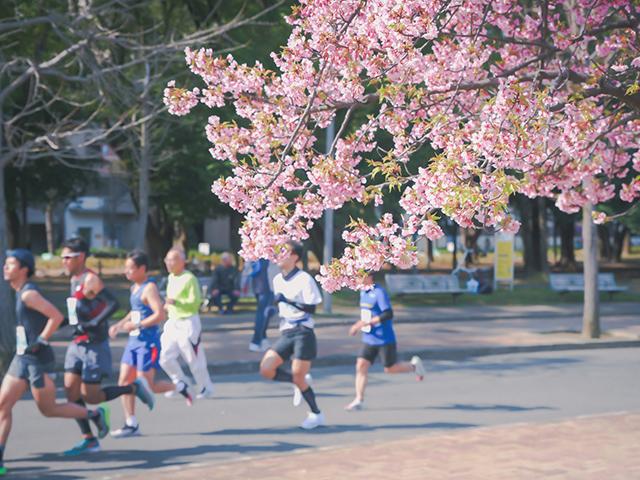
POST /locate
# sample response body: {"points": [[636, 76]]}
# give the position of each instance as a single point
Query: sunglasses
{"points": [[69, 256]]}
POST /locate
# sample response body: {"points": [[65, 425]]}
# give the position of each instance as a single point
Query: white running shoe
{"points": [[254, 347], [126, 431], [265, 344], [357, 404], [313, 420], [172, 394], [205, 393], [418, 367], [297, 394]]}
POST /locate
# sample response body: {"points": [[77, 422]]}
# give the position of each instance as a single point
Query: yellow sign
{"points": [[504, 258]]}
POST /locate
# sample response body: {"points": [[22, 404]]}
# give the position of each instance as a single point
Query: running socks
{"points": [[283, 376], [83, 423], [115, 391], [310, 398]]}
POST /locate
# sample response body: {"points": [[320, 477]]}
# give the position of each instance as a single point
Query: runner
{"points": [[88, 357], [140, 357], [296, 295], [36, 320], [376, 324], [181, 334]]}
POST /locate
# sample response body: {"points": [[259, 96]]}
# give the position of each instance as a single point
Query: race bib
{"points": [[365, 316], [72, 303], [21, 340], [135, 319]]}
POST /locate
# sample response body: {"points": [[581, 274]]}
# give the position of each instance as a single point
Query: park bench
{"points": [[574, 282], [406, 283]]}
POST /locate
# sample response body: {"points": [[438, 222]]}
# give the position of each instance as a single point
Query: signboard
{"points": [[503, 259], [204, 249]]}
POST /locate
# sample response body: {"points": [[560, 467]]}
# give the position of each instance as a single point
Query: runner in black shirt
{"points": [[36, 320]]}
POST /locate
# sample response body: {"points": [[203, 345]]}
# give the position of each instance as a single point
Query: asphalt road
{"points": [[252, 417]]}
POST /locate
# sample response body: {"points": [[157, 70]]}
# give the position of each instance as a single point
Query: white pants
{"points": [[182, 338]]}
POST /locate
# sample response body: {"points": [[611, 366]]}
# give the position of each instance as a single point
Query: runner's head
{"points": [[136, 265], [175, 260], [19, 265], [74, 255], [294, 252]]}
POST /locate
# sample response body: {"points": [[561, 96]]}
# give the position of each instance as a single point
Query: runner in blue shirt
{"points": [[376, 325]]}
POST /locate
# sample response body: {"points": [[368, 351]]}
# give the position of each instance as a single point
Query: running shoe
{"points": [[172, 394], [183, 389], [265, 344], [87, 445], [297, 394], [357, 404], [144, 392], [102, 419], [418, 367], [254, 347], [126, 431], [205, 393], [3, 470], [313, 420]]}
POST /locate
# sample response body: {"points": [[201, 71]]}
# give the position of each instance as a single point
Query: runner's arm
{"points": [[111, 306], [152, 298]]}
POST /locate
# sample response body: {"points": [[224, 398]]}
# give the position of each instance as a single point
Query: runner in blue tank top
{"points": [[32, 366], [140, 357], [376, 325]]}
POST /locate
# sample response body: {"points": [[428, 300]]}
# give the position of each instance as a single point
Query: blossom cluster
{"points": [[467, 104]]}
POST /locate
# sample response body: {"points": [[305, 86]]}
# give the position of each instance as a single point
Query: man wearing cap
{"points": [[296, 295], [88, 357], [32, 366]]}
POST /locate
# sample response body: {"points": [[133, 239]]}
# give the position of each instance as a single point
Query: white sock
{"points": [[131, 421]]}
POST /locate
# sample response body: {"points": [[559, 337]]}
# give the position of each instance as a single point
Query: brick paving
{"points": [[603, 447]]}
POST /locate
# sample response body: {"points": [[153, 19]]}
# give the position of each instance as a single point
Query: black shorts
{"points": [[31, 369], [389, 353], [298, 341]]}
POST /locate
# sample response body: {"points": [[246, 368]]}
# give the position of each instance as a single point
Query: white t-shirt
{"points": [[299, 287]]}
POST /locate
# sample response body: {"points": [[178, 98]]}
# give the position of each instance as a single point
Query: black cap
{"points": [[25, 257]]}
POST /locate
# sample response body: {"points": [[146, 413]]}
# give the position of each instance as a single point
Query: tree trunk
{"points": [[48, 226], [543, 239], [604, 246], [591, 312], [7, 320], [143, 185], [620, 234], [429, 253], [626, 244], [566, 228], [24, 205]]}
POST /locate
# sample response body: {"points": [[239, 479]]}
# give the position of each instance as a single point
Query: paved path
{"points": [[436, 333], [586, 448]]}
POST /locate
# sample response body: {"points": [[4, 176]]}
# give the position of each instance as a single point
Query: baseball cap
{"points": [[25, 257]]}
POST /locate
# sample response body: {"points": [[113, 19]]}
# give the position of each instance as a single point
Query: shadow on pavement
{"points": [[139, 459], [495, 408], [332, 429]]}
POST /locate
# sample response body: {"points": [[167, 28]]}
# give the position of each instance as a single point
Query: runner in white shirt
{"points": [[296, 295]]}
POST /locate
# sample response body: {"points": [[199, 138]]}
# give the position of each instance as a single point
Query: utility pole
{"points": [[328, 227]]}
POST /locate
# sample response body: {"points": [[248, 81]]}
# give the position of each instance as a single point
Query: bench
{"points": [[407, 283], [574, 282]]}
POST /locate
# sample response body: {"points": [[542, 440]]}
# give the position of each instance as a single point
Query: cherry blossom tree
{"points": [[540, 98]]}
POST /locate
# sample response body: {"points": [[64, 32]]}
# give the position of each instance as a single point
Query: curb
{"points": [[435, 354]]}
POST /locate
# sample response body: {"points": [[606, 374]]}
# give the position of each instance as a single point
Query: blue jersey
{"points": [[376, 301], [137, 305]]}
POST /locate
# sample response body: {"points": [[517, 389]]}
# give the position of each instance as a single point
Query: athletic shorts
{"points": [[388, 352], [92, 361], [299, 341], [142, 354], [29, 368]]}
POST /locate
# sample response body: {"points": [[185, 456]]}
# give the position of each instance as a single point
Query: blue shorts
{"points": [[142, 353]]}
